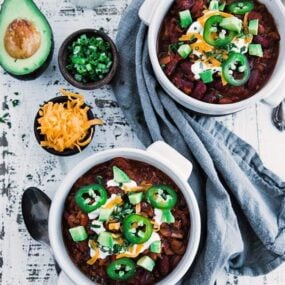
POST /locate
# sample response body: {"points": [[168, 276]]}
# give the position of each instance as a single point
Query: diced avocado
{"points": [[184, 51], [105, 214], [214, 5], [256, 50], [185, 19], [106, 239], [146, 262], [207, 76], [253, 27], [155, 247], [78, 233], [167, 217], [222, 6], [232, 24], [135, 198], [26, 40], [120, 176]]}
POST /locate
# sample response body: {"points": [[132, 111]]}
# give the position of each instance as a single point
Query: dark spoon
{"points": [[278, 116], [35, 209]]}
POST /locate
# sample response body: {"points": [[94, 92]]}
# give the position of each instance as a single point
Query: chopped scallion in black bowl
{"points": [[88, 59]]}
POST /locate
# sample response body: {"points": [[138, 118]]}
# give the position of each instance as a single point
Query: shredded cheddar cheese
{"points": [[139, 188], [114, 226], [245, 22], [66, 125], [156, 226], [94, 258], [138, 208], [133, 252], [200, 45], [114, 202]]}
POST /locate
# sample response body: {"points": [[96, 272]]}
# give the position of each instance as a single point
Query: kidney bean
{"points": [[146, 208], [253, 80], [184, 4], [254, 15], [121, 163], [178, 247], [210, 98], [263, 40], [261, 29], [163, 265], [274, 36], [165, 230], [225, 100], [177, 224], [115, 190], [185, 85], [177, 234], [175, 260], [171, 66], [84, 220], [185, 67], [199, 90], [82, 246], [166, 248], [154, 256], [197, 9]]}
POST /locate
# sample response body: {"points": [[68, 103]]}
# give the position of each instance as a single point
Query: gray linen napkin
{"points": [[242, 203]]}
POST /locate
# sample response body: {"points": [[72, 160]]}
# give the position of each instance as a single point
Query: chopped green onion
{"points": [[90, 59]]}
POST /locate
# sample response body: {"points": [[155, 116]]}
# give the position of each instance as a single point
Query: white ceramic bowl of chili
{"points": [[159, 155], [152, 13]]}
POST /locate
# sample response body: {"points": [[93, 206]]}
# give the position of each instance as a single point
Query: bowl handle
{"points": [[172, 158], [147, 10], [64, 280]]}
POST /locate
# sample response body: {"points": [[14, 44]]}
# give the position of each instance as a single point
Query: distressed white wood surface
{"points": [[23, 163]]}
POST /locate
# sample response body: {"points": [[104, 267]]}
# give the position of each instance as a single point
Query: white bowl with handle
{"points": [[152, 14], [159, 155]]}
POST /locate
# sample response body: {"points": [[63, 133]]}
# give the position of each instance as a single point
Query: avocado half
{"points": [[26, 39]]}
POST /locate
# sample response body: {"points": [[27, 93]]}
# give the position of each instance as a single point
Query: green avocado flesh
{"points": [[26, 40]]}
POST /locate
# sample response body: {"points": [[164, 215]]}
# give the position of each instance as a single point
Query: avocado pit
{"points": [[22, 39]]}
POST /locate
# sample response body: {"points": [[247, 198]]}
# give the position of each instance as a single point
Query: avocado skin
{"points": [[38, 72]]}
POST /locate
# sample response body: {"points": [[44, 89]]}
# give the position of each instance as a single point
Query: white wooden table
{"points": [[23, 163]]}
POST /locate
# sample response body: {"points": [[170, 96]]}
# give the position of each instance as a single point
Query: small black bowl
{"points": [[63, 57], [66, 152]]}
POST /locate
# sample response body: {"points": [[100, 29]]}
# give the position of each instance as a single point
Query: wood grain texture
{"points": [[23, 163]]}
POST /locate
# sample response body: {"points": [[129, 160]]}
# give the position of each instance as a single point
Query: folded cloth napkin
{"points": [[242, 203]]}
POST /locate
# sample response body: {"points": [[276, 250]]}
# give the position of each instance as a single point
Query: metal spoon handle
{"points": [[278, 116], [57, 267]]}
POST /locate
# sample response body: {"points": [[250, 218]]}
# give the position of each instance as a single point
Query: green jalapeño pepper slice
{"points": [[121, 269], [161, 197], [215, 35], [236, 69], [91, 197], [137, 229], [241, 7]]}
